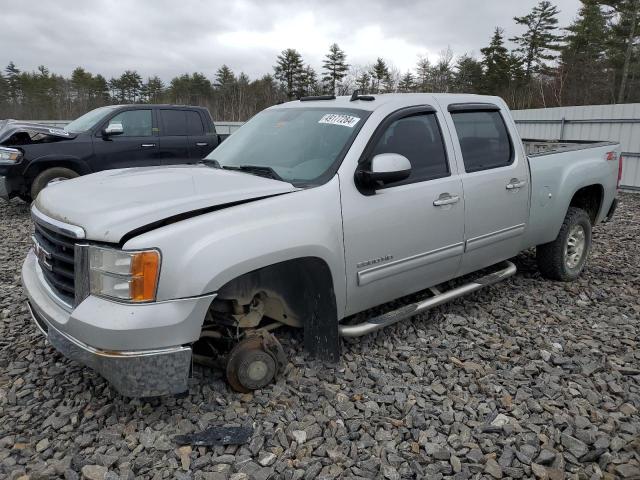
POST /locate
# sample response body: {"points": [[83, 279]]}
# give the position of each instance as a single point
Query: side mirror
{"points": [[385, 168], [113, 129]]}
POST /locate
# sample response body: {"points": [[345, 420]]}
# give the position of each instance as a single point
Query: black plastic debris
{"points": [[213, 436]]}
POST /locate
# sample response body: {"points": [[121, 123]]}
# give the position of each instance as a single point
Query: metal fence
{"points": [[616, 123]]}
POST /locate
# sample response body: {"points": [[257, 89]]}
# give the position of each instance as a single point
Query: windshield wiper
{"points": [[260, 170]]}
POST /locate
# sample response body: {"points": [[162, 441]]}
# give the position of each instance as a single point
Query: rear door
{"points": [[496, 183], [137, 146], [174, 136], [201, 141]]}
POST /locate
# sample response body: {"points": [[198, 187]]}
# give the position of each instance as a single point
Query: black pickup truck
{"points": [[118, 136]]}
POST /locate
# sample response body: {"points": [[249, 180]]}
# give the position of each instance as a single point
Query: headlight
{"points": [[10, 155], [129, 276]]}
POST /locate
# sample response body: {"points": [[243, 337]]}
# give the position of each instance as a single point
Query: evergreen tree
{"points": [[442, 74], [537, 44], [152, 90], [424, 75], [13, 83], [407, 83], [583, 57], [334, 67], [363, 83], [288, 70], [467, 77], [224, 78], [497, 64], [308, 82], [379, 73]]}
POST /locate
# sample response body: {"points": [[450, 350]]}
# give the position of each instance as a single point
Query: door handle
{"points": [[202, 144], [446, 199], [148, 145], [515, 183]]}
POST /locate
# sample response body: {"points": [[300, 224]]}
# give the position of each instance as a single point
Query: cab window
{"points": [[135, 123]]}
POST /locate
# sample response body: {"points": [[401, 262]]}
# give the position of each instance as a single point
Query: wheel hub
{"points": [[575, 246]]}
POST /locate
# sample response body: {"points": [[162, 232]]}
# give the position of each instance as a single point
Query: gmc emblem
{"points": [[44, 257]]}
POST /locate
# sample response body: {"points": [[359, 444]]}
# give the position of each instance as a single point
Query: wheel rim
{"points": [[575, 247]]}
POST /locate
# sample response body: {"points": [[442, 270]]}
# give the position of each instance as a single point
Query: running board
{"points": [[507, 269]]}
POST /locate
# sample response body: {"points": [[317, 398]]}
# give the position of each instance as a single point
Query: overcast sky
{"points": [[170, 37]]}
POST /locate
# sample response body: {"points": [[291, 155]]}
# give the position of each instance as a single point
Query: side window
{"points": [[484, 140], [135, 123], [194, 123], [418, 138], [174, 123]]}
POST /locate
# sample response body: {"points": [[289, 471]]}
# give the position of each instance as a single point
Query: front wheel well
{"points": [[303, 288], [37, 168], [589, 199]]}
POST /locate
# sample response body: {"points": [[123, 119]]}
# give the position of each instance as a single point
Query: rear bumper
{"points": [[142, 350]]}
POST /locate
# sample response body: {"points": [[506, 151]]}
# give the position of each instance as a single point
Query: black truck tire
{"points": [[55, 173], [564, 258]]}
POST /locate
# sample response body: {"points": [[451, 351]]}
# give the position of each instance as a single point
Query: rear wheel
{"points": [[51, 175], [565, 257]]}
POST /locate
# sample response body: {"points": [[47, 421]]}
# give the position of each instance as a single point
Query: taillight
{"points": [[619, 171]]}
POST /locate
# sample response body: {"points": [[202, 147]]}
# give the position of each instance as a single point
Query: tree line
{"points": [[594, 60]]}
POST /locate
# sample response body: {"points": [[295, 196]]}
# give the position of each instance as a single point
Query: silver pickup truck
{"points": [[313, 211]]}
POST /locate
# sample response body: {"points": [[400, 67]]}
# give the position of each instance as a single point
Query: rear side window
{"points": [[135, 123], [484, 140], [418, 138], [194, 123], [174, 122]]}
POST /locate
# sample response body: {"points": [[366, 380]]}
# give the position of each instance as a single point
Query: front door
{"points": [[137, 146], [408, 235], [496, 185]]}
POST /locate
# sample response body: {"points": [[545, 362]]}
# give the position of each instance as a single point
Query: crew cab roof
{"points": [[398, 100]]}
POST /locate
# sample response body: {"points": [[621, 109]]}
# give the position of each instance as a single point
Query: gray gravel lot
{"points": [[530, 378]]}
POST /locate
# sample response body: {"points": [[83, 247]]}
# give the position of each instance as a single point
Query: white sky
{"points": [[168, 38]]}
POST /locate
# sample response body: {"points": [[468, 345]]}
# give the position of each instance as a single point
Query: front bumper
{"points": [[4, 188], [120, 334]]}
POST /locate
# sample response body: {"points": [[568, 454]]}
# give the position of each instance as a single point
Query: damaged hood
{"points": [[112, 203], [10, 127]]}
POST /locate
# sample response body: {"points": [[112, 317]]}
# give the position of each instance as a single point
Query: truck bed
{"points": [[536, 148]]}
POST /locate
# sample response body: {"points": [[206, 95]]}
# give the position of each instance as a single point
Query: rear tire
{"points": [[565, 257], [43, 178]]}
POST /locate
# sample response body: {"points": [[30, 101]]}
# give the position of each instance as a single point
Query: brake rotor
{"points": [[254, 362]]}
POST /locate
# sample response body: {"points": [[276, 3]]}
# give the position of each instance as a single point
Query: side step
{"points": [[507, 269]]}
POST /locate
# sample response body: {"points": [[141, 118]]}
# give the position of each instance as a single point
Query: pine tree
{"points": [[363, 83], [407, 83], [334, 67], [13, 82], [288, 70], [152, 90], [537, 44], [497, 64], [224, 78], [583, 57], [442, 74], [424, 75], [467, 77], [379, 73]]}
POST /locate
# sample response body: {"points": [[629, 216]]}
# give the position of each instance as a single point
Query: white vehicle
{"points": [[311, 212]]}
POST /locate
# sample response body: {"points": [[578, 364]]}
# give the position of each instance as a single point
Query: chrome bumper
{"points": [[133, 374], [4, 188]]}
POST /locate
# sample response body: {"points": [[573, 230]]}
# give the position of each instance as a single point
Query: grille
{"points": [[57, 261]]}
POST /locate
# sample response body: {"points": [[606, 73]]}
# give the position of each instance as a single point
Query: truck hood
{"points": [[37, 132], [110, 204]]}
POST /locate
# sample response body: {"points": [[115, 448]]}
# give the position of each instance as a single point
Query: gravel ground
{"points": [[529, 378]]}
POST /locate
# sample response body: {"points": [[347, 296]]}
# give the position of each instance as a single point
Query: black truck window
{"points": [[135, 123], [194, 123], [173, 123]]}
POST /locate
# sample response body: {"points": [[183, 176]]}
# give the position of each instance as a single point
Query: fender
{"points": [[57, 160]]}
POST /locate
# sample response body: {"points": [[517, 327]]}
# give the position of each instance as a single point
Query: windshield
{"points": [[88, 120], [299, 144]]}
